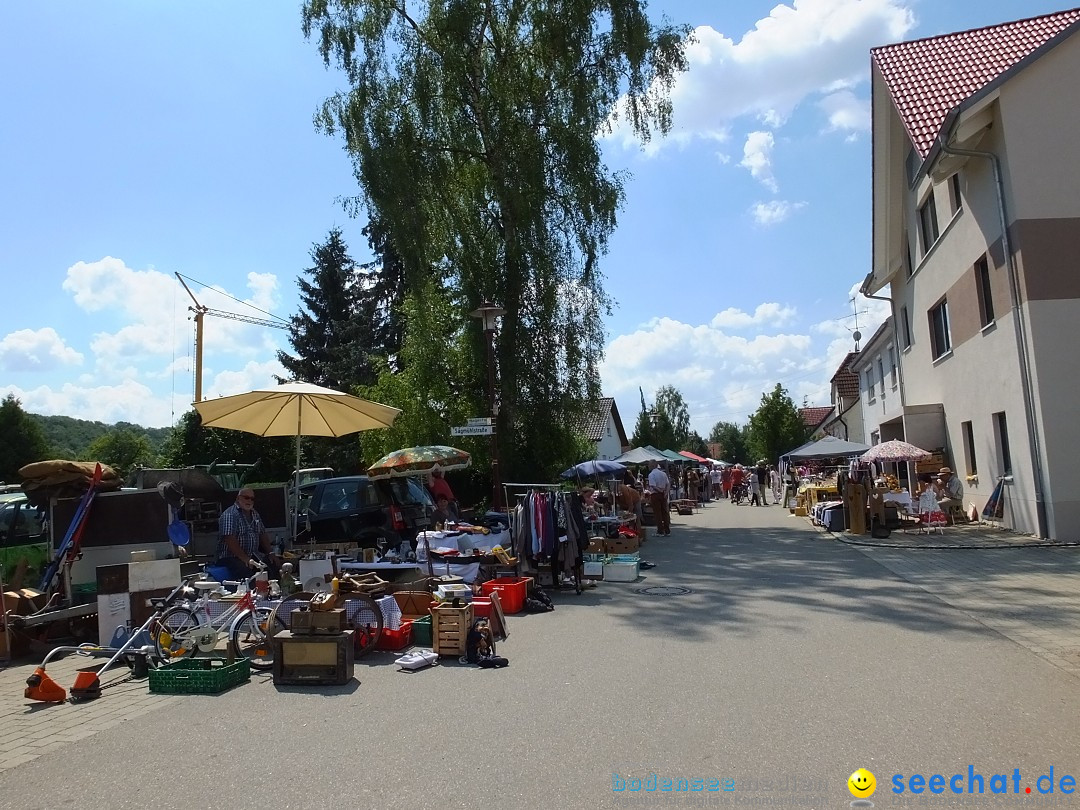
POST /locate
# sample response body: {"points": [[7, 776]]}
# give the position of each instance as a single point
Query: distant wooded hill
{"points": [[69, 437]]}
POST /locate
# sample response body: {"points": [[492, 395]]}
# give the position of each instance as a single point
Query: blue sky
{"points": [[139, 139]]}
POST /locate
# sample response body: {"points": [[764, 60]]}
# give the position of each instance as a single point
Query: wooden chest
{"points": [[450, 628], [316, 622]]}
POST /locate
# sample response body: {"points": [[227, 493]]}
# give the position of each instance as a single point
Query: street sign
{"points": [[472, 430], [479, 420]]}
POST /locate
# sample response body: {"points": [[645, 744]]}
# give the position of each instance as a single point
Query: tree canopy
{"points": [[776, 426], [472, 128], [21, 440]]}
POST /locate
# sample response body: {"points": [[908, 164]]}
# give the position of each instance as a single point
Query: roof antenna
{"points": [[857, 335]]}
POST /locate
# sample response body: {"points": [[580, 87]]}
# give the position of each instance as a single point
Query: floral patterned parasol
{"points": [[418, 461]]}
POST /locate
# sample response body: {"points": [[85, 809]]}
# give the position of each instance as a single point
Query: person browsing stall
{"points": [[442, 514], [660, 487], [242, 534]]}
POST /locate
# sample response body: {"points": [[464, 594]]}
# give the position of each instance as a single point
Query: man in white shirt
{"points": [[660, 487]]}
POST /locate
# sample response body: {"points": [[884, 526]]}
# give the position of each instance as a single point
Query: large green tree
{"points": [[472, 126], [733, 439], [21, 440], [123, 449], [776, 427]]}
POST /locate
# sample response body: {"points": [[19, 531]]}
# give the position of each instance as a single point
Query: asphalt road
{"points": [[794, 661]]}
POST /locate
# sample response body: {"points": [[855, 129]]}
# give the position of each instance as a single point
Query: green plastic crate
{"points": [[421, 632], [199, 676]]}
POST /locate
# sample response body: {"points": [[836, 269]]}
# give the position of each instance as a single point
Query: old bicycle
{"points": [[191, 628]]}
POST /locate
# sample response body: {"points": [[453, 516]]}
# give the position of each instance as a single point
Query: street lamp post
{"points": [[488, 315]]}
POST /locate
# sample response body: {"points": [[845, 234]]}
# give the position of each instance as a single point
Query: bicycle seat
{"points": [[205, 585]]}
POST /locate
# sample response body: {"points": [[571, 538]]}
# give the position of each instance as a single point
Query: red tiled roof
{"points": [[812, 417], [845, 380], [927, 78], [594, 422]]}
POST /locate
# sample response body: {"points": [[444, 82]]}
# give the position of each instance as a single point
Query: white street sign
{"points": [[472, 430], [479, 420]]}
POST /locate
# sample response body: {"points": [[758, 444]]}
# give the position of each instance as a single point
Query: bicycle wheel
{"points": [[251, 637], [366, 618], [172, 635]]}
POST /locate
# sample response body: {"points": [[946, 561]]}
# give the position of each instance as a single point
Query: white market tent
{"points": [[828, 447]]}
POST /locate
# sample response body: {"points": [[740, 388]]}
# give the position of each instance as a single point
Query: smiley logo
{"points": [[862, 784]]}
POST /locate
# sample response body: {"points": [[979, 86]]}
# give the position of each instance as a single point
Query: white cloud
{"points": [[774, 211], [722, 376], [757, 153], [151, 311], [770, 314], [36, 350], [846, 112], [252, 376], [128, 401], [803, 49]]}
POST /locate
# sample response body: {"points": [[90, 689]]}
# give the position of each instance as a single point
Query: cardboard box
{"points": [[596, 545], [622, 545], [24, 601]]}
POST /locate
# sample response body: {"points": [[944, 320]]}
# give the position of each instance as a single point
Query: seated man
{"points": [[242, 534], [951, 489]]}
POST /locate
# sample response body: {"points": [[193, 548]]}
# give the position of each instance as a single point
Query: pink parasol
{"points": [[895, 450]]}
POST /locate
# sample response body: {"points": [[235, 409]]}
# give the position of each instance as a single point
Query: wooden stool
{"points": [[957, 514]]}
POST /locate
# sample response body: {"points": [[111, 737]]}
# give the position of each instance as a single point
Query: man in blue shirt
{"points": [[242, 533]]}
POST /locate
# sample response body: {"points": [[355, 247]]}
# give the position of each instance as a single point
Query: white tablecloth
{"points": [[901, 499], [459, 541]]}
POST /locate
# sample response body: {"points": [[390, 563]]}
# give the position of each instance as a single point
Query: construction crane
{"points": [[201, 310]]}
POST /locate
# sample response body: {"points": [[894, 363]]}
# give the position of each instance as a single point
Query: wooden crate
{"points": [[450, 628]]}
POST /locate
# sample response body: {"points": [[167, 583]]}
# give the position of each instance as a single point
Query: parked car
{"points": [[24, 538], [356, 509]]}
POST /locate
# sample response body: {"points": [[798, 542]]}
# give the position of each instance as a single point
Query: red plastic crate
{"points": [[392, 640], [512, 592], [481, 606]]}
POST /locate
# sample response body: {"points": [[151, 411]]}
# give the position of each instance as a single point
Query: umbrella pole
{"points": [[296, 505]]}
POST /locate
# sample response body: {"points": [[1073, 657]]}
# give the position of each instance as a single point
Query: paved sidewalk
{"points": [[31, 729]]}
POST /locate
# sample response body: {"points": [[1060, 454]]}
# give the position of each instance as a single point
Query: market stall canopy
{"points": [[641, 455], [671, 455], [829, 447], [418, 461], [693, 456], [895, 450], [599, 466]]}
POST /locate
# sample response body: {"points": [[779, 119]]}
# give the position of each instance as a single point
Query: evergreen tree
{"points": [[472, 127], [331, 335], [21, 440], [776, 427]]}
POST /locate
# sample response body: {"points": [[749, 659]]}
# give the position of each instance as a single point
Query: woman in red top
{"points": [[438, 486]]}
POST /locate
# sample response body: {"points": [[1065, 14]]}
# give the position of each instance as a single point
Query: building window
{"points": [[881, 374], [940, 340], [986, 297], [870, 384], [893, 377], [928, 227], [955, 203], [1001, 434], [969, 448], [905, 327]]}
